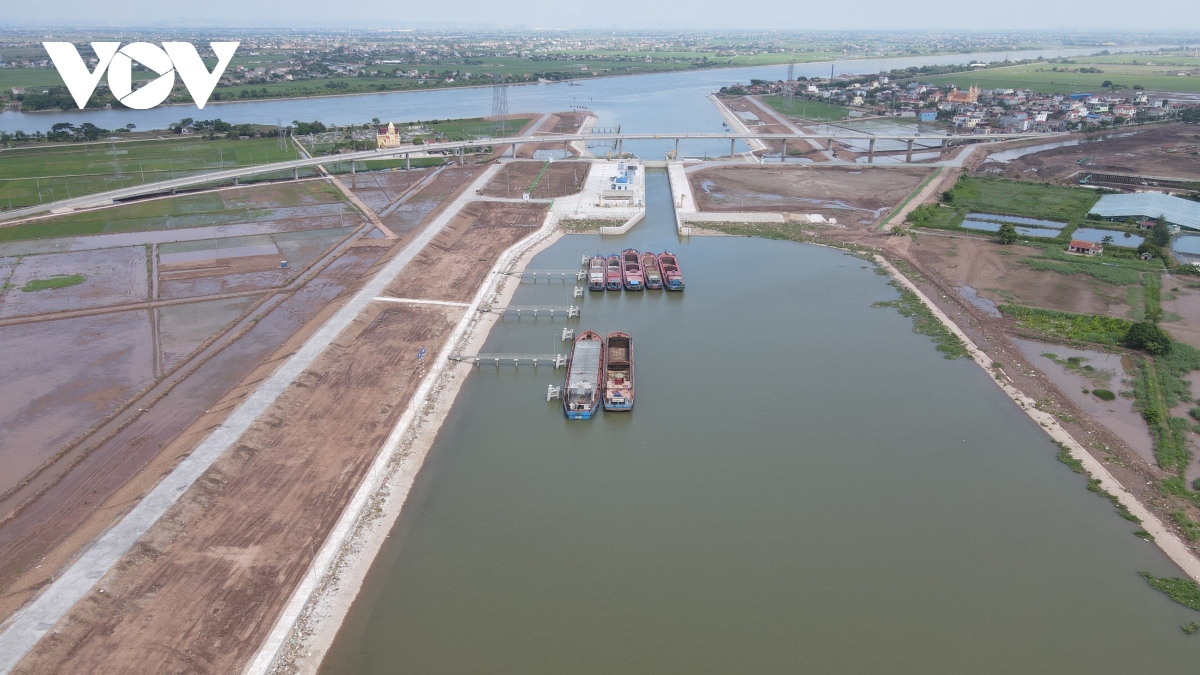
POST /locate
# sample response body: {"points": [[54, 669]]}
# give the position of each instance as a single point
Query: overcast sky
{"points": [[646, 14]]}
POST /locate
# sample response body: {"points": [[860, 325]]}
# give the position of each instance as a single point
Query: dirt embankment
{"points": [[555, 179], [202, 588], [1169, 150], [38, 536], [857, 195], [994, 336], [558, 123]]}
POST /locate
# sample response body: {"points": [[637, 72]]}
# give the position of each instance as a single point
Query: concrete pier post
{"points": [[566, 150], [676, 149], [908, 157], [731, 146], [460, 156], [235, 182], [407, 161], [945, 145], [352, 169], [296, 173], [514, 150], [620, 147], [783, 153], [830, 147], [871, 152]]}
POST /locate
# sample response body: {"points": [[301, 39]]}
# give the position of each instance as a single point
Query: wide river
{"points": [[805, 485], [667, 102]]}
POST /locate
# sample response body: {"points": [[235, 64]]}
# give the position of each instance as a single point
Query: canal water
{"points": [[804, 485]]}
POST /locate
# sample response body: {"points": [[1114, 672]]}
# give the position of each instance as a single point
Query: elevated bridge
{"points": [[458, 148]]}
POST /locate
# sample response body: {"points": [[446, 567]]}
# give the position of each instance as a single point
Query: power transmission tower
{"points": [[791, 90], [500, 105], [281, 142]]}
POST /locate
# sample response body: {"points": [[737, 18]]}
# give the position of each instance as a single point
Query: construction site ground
{"points": [[558, 123], [554, 179], [852, 194], [1166, 150], [203, 587]]}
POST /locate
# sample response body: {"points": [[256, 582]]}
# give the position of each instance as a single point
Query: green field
{"points": [[806, 109], [49, 172], [196, 210], [1040, 78], [1016, 198]]}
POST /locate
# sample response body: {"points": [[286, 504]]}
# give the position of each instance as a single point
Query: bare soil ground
{"points": [[244, 535], [99, 479], [558, 180], [1170, 150], [418, 208], [223, 275], [111, 277], [558, 123], [997, 273], [852, 195]]}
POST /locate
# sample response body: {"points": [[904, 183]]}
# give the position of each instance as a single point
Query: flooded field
{"points": [[60, 377], [183, 328], [102, 277]]}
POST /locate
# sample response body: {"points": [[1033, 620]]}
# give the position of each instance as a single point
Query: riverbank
{"points": [[310, 630]]}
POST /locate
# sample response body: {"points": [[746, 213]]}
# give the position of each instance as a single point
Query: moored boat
{"points": [[612, 274], [631, 270], [618, 372], [654, 280], [672, 275], [596, 273], [583, 387]]}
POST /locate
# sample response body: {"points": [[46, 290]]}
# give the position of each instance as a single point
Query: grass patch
{"points": [[1104, 395], [806, 109], [1183, 591], [1017, 198], [56, 281], [1064, 456], [1105, 330], [925, 323], [588, 224]]}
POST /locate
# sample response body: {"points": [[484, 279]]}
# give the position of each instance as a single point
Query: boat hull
{"points": [[612, 275], [618, 373], [583, 388], [631, 270], [668, 264]]}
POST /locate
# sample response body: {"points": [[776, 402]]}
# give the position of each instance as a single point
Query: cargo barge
{"points": [[596, 273], [631, 270], [668, 264], [612, 274], [583, 387], [650, 270], [618, 372]]}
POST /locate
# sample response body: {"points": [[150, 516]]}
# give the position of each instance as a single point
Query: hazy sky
{"points": [[646, 14]]}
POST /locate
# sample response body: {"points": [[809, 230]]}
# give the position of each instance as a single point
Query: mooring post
{"points": [[871, 151], [908, 157]]}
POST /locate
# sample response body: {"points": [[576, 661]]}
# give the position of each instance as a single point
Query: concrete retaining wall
{"points": [[627, 226]]}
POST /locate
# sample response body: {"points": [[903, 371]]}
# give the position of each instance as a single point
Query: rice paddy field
{"points": [[51, 171], [1040, 77]]}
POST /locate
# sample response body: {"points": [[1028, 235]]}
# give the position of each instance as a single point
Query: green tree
{"points": [[1161, 234], [1107, 240], [1148, 337], [1007, 233]]}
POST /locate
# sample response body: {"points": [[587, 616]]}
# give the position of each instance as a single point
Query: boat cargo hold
{"points": [[618, 372], [582, 390], [631, 270], [596, 273], [654, 280], [672, 275], [612, 275]]}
